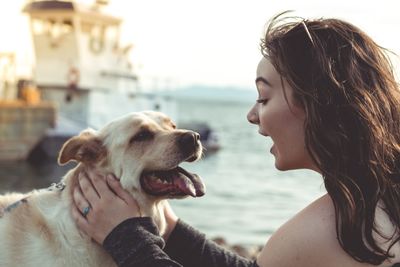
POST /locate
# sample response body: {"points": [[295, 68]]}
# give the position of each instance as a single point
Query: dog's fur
{"points": [[41, 231]]}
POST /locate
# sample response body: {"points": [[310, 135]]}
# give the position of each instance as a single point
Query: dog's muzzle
{"points": [[177, 182]]}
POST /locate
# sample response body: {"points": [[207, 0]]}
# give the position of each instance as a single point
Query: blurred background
{"points": [[69, 65]]}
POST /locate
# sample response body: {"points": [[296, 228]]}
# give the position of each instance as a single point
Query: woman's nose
{"points": [[252, 115]]}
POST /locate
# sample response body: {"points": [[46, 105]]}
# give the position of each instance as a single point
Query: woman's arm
{"points": [[114, 221], [191, 248], [135, 242]]}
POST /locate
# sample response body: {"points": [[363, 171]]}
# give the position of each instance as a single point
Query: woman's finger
{"points": [[88, 191], [80, 221], [80, 201], [116, 187], [99, 183]]}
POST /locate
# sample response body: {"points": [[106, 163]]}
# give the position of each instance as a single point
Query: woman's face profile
{"points": [[280, 119]]}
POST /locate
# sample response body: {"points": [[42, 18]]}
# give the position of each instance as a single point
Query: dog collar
{"points": [[56, 186], [13, 206], [53, 187], [16, 204]]}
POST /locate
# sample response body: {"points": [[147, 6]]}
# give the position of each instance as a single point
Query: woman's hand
{"points": [[101, 204]]}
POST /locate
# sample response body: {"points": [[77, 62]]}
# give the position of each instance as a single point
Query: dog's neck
{"points": [[149, 207]]}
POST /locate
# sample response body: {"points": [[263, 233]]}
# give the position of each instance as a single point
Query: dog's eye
{"points": [[142, 136]]}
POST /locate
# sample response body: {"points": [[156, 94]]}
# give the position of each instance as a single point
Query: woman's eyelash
{"points": [[262, 100]]}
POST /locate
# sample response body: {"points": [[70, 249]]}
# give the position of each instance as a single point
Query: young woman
{"points": [[329, 101]]}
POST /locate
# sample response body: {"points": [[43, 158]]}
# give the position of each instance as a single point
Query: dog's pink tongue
{"points": [[185, 184], [189, 183]]}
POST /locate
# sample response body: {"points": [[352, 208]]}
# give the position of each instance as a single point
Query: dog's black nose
{"points": [[189, 141]]}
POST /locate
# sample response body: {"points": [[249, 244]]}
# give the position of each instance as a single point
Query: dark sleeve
{"points": [[135, 243], [190, 248]]}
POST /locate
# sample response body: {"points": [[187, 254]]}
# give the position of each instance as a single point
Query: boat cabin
{"points": [[77, 45], [81, 65]]}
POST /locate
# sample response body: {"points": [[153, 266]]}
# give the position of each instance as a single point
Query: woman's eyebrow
{"points": [[263, 80]]}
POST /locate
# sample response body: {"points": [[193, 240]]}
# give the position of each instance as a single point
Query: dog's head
{"points": [[143, 149]]}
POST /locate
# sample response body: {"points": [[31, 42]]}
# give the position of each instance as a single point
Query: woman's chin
{"points": [[285, 166], [280, 167]]}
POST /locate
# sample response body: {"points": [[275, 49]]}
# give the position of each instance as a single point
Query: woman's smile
{"points": [[272, 149]]}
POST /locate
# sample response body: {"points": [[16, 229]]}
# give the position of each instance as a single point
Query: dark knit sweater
{"points": [[136, 243]]}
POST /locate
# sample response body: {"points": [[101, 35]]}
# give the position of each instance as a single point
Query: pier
{"points": [[22, 126]]}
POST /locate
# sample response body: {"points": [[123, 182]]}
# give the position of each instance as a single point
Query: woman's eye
{"points": [[262, 100]]}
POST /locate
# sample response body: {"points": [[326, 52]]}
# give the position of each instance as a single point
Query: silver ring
{"points": [[85, 211]]}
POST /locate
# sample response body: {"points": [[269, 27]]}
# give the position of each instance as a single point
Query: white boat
{"points": [[80, 64], [82, 67]]}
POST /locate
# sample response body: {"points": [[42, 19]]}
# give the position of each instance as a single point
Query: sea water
{"points": [[247, 199]]}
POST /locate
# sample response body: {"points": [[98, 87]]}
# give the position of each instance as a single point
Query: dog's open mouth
{"points": [[172, 183]]}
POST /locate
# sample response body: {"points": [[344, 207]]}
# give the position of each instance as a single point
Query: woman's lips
{"points": [[272, 149], [263, 134]]}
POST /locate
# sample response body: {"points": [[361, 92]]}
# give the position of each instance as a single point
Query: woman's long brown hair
{"points": [[346, 85]]}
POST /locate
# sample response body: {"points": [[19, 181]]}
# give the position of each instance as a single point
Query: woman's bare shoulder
{"points": [[308, 239]]}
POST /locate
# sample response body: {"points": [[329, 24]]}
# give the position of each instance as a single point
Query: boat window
{"points": [[38, 26], [86, 27], [112, 37], [52, 27], [96, 39]]}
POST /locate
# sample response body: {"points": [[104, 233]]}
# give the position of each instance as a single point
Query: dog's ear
{"points": [[86, 148]]}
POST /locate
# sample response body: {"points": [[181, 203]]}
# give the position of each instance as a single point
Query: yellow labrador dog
{"points": [[143, 149]]}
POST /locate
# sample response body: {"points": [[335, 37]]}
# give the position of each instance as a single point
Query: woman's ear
{"points": [[87, 147]]}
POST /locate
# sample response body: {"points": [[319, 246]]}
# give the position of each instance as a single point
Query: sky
{"points": [[210, 42]]}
